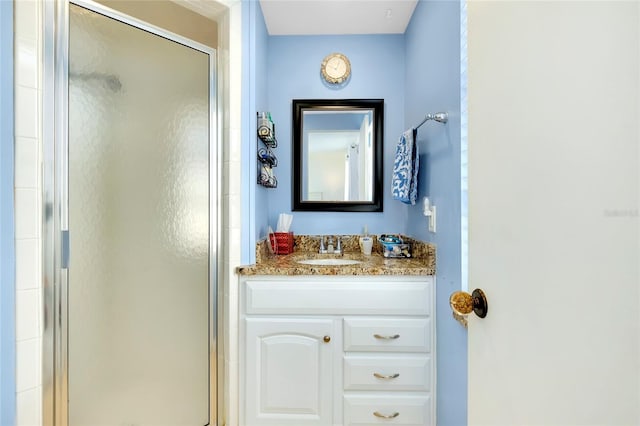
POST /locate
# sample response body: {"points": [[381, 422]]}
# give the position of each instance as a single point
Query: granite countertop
{"points": [[422, 262]]}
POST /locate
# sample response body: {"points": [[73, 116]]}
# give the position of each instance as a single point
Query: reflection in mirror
{"points": [[337, 155]]}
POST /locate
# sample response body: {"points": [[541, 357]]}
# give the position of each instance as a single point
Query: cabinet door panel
{"points": [[289, 372]]}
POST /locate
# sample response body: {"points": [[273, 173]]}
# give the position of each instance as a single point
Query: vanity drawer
{"points": [[407, 410], [387, 335], [336, 296], [387, 372]]}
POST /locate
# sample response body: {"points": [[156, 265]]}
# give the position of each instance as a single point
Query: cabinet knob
{"points": [[326, 339], [463, 303], [386, 416]]}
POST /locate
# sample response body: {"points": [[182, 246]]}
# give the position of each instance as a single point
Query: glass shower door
{"points": [[138, 189]]}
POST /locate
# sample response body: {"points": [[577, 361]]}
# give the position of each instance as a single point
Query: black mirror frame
{"points": [[376, 205]]}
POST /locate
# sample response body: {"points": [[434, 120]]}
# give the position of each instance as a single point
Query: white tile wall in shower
{"points": [[26, 18], [235, 148], [27, 264], [235, 245], [26, 103], [232, 173], [235, 211], [26, 162], [28, 92], [28, 351], [27, 315], [29, 410], [27, 213], [231, 45], [27, 62]]}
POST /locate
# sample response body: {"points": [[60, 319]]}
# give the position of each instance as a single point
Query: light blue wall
{"points": [[432, 49], [248, 104], [7, 251], [262, 104], [254, 197], [377, 63]]}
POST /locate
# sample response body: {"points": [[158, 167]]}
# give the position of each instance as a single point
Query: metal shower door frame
{"points": [[55, 203]]}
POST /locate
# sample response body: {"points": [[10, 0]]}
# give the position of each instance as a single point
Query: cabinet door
{"points": [[289, 371]]}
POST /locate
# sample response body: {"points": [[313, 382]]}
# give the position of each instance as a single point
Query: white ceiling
{"points": [[208, 8], [323, 17], [332, 140]]}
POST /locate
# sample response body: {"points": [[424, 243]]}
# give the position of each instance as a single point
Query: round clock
{"points": [[335, 68]]}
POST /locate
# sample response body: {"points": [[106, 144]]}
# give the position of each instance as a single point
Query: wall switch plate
{"points": [[432, 220]]}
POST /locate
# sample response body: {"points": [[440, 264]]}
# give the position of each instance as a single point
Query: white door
{"points": [[553, 212]]}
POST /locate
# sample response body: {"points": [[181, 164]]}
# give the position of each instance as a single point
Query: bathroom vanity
{"points": [[337, 345]]}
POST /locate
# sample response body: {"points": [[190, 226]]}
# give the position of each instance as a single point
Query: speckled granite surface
{"points": [[422, 262]]}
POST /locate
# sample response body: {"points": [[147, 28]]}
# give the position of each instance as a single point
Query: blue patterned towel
{"points": [[404, 185]]}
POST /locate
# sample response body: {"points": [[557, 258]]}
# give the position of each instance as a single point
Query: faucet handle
{"points": [[339, 244], [322, 243]]}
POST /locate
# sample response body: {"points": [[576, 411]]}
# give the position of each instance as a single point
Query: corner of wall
{"points": [[7, 245], [232, 242], [434, 82]]}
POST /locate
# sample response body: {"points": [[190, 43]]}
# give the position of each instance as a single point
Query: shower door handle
{"points": [[64, 255]]}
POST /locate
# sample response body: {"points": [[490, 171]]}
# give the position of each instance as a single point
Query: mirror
{"points": [[337, 154]]}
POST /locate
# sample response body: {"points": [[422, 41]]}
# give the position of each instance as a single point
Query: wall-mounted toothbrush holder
{"points": [[267, 130], [266, 177], [266, 156], [267, 160]]}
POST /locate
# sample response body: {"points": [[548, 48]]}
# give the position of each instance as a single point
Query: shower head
{"points": [[111, 81]]}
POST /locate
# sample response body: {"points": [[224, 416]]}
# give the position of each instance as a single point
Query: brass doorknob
{"points": [[464, 303], [326, 339]]}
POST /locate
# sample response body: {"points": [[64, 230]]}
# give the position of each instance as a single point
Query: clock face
{"points": [[336, 68]]}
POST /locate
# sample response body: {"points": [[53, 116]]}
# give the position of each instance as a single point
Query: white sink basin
{"points": [[329, 262]]}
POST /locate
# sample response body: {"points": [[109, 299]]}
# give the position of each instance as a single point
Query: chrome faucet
{"points": [[322, 250], [330, 248]]}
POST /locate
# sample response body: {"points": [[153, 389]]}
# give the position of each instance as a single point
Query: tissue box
{"points": [[282, 242]]}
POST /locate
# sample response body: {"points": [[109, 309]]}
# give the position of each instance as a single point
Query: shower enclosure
{"points": [[131, 227]]}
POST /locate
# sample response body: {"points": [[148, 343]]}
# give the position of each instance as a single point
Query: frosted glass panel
{"points": [[139, 226]]}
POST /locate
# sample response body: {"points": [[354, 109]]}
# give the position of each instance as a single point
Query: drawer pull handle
{"points": [[395, 336], [385, 416], [386, 377]]}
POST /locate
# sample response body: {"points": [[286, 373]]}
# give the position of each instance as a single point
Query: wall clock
{"points": [[335, 68]]}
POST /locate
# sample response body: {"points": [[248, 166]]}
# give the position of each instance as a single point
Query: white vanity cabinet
{"points": [[337, 350]]}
